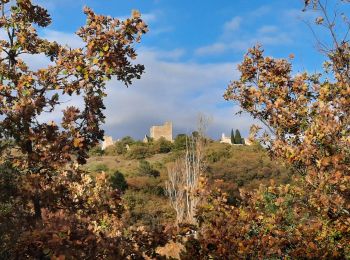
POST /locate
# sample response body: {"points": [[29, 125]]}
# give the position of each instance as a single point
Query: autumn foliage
{"points": [[307, 121], [50, 208]]}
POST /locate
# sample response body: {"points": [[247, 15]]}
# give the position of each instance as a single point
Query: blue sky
{"points": [[190, 54]]}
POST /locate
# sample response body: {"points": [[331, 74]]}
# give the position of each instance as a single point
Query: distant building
{"points": [[227, 140], [107, 141], [165, 131]]}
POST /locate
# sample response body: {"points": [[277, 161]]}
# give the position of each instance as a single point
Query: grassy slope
{"points": [[236, 167]]}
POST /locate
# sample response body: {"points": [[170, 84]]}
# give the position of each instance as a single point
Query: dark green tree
{"points": [[238, 137], [195, 133], [117, 181], [233, 141], [127, 140], [163, 146], [180, 142]]}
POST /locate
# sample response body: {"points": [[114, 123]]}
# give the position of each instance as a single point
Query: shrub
{"points": [[180, 142], [117, 181], [120, 148], [127, 140], [99, 168], [139, 151], [162, 146], [96, 151], [110, 150], [145, 168]]}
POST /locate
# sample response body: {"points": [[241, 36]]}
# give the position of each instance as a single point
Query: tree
{"points": [[184, 176], [162, 146], [238, 137], [195, 134], [308, 119], [233, 141], [176, 189], [96, 151], [118, 181], [180, 142], [60, 210]]}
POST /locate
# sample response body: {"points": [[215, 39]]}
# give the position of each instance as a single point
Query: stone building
{"points": [[107, 141], [227, 140], [165, 131]]}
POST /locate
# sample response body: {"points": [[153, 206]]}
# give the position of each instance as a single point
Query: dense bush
{"points": [[145, 168], [161, 146], [139, 151], [110, 150], [118, 181], [214, 154], [147, 209], [100, 167], [180, 142], [96, 151]]}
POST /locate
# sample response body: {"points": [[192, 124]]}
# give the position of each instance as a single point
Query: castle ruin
{"points": [[225, 140], [165, 131], [107, 141]]}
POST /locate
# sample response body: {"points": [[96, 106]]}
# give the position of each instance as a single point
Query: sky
{"points": [[190, 53]]}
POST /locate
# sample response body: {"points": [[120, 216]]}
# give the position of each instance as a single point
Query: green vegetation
{"points": [[118, 181], [238, 137], [229, 168], [232, 137], [145, 168]]}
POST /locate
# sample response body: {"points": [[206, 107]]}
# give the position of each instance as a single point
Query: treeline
{"points": [[236, 137]]}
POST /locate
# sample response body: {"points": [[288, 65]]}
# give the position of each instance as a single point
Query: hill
{"points": [[229, 168]]}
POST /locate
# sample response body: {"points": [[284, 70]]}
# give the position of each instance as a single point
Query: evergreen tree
{"points": [[238, 137], [118, 181], [233, 141]]}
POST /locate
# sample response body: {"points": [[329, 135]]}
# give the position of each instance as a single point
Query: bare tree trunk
{"points": [[175, 188], [184, 176]]}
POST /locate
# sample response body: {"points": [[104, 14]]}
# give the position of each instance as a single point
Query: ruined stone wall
{"points": [[165, 131], [107, 141], [225, 140]]}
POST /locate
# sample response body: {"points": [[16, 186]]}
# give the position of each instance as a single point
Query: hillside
{"points": [[229, 168]]}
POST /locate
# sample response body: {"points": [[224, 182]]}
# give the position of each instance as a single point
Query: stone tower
{"points": [[165, 131], [107, 141]]}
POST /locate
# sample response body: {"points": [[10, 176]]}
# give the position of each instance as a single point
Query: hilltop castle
{"points": [[156, 132], [165, 131], [107, 141]]}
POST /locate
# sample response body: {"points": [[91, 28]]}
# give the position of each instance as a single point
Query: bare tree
{"points": [[184, 176], [175, 188]]}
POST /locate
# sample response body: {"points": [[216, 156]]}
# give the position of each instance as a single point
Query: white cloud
{"points": [[233, 41], [149, 17], [175, 91], [267, 29], [260, 11], [170, 90], [233, 24], [215, 48], [242, 44]]}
